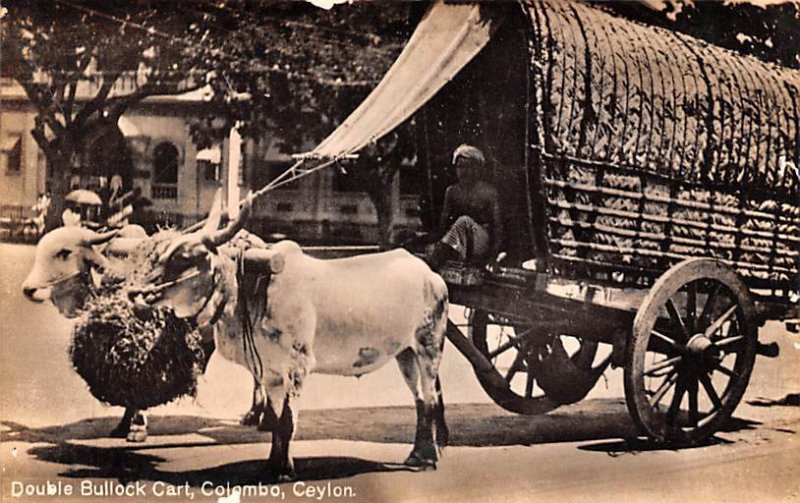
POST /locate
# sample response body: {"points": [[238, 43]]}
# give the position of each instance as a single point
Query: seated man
{"points": [[470, 228]]}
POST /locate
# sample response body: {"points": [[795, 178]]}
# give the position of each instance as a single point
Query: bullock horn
{"points": [[222, 236], [95, 238], [215, 215]]}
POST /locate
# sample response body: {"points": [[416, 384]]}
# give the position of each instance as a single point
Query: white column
{"points": [[234, 167]]}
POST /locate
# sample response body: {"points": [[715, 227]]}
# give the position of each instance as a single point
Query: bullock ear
{"points": [[277, 262], [95, 238], [96, 259], [123, 246], [214, 216]]}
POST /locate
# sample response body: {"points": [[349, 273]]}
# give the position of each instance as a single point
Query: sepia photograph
{"points": [[399, 250]]}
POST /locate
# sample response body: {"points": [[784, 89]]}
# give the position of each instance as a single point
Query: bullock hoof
{"points": [[287, 477], [282, 473], [137, 434], [252, 418], [418, 460]]}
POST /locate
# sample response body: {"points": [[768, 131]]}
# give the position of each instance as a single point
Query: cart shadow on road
{"points": [[84, 451], [635, 444]]}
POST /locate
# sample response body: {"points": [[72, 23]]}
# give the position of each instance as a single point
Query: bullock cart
{"points": [[650, 186], [659, 198]]}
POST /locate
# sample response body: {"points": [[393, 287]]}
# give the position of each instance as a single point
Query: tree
{"points": [[771, 33], [71, 56], [293, 70], [272, 66]]}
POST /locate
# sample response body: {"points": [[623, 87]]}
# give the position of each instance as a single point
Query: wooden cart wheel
{"points": [[691, 352], [522, 359]]}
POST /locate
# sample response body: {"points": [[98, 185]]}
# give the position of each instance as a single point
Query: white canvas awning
{"points": [[447, 38], [212, 155], [127, 127]]}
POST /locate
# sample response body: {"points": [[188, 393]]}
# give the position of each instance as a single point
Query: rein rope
{"points": [[251, 354]]}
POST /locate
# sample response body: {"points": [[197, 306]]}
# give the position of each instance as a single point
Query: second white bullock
{"points": [[283, 314], [68, 265]]}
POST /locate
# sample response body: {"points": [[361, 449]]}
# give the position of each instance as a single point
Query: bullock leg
{"points": [[138, 431], [424, 454], [283, 415], [442, 432], [124, 426], [254, 416], [132, 427]]}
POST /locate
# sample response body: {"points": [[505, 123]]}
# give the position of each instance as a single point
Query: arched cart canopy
{"points": [[647, 146], [635, 95], [609, 90]]}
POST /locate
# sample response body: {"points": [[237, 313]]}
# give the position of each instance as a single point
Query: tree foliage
{"points": [[771, 33], [71, 59]]}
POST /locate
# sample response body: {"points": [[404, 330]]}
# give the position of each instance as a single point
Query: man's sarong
{"points": [[470, 239]]}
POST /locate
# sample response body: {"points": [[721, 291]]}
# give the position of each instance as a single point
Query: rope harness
{"points": [[251, 354]]}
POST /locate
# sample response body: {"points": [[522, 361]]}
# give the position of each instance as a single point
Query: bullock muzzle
{"points": [[154, 292], [41, 292]]}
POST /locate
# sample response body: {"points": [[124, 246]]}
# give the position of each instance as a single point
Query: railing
{"points": [[164, 191]]}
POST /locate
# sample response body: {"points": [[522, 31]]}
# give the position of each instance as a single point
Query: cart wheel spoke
{"points": [[677, 320], [518, 365], [529, 385], [671, 342], [691, 306], [717, 324], [728, 372], [729, 342], [677, 398], [511, 343], [668, 382], [661, 365], [694, 414], [711, 392], [708, 307]]}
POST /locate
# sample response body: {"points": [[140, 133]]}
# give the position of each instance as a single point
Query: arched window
{"points": [[165, 171], [165, 163]]}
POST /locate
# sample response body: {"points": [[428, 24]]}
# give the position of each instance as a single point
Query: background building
{"points": [[178, 181]]}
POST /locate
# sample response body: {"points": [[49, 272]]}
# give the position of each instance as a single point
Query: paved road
{"points": [[352, 430]]}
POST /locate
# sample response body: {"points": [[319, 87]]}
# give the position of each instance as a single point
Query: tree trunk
{"points": [[59, 170], [385, 205]]}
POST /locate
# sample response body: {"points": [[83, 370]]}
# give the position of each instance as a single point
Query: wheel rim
{"points": [[520, 358], [692, 351]]}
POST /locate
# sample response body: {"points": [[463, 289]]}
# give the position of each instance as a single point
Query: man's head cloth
{"points": [[469, 152]]}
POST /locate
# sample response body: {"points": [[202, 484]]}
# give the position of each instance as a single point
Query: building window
{"points": [[165, 171], [210, 170], [209, 161], [12, 154]]}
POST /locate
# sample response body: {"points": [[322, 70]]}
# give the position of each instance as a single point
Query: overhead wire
{"points": [[253, 69]]}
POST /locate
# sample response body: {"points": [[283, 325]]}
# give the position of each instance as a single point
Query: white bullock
{"points": [[345, 317]]}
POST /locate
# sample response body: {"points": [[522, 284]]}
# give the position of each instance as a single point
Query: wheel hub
{"points": [[699, 344], [702, 352]]}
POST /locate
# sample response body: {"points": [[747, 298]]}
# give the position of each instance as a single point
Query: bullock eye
{"points": [[63, 253]]}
